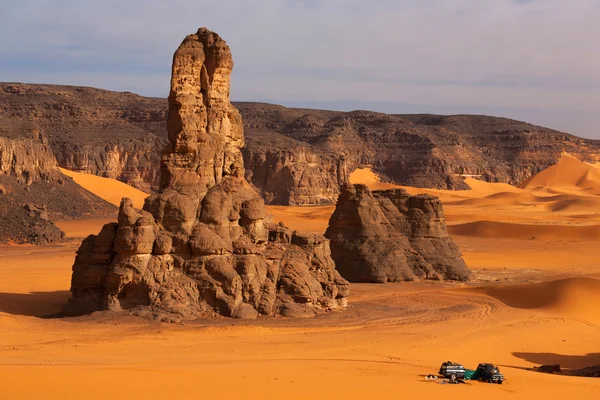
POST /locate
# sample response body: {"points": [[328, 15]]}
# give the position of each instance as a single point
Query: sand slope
{"points": [[508, 230], [568, 174], [110, 190], [566, 297]]}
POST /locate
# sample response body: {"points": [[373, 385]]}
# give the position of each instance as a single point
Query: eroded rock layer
{"points": [[292, 155], [389, 236], [204, 243]]}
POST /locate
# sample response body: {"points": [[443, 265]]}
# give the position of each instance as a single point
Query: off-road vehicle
{"points": [[489, 373], [452, 371]]}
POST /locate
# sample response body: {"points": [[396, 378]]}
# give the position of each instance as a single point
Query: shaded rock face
{"points": [[389, 236], [204, 244], [27, 223]]}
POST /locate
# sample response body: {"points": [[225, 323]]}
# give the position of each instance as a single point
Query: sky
{"points": [[532, 60]]}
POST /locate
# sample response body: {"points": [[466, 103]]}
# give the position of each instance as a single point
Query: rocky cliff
{"points": [[425, 150], [290, 172], [33, 192], [390, 236], [204, 243], [293, 156]]}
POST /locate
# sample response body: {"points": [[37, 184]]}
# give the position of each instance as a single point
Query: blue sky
{"points": [[534, 60]]}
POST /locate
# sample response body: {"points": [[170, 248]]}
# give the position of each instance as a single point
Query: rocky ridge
{"points": [[293, 156], [204, 243], [390, 236]]}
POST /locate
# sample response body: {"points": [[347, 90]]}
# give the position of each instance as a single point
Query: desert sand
{"points": [[110, 190], [535, 299]]}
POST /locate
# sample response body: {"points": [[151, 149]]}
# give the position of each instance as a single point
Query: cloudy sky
{"points": [[534, 60]]}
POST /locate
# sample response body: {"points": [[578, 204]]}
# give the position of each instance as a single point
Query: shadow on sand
{"points": [[36, 304], [566, 361], [580, 365]]}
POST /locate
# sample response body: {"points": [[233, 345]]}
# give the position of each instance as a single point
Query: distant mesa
{"points": [[204, 244], [389, 236], [292, 156]]}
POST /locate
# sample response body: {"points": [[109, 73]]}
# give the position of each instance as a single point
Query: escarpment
{"points": [[110, 134], [293, 156], [204, 244], [389, 236]]}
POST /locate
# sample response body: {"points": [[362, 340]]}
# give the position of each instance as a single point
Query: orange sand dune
{"points": [[79, 229], [499, 198], [366, 176], [568, 174], [575, 204], [311, 218], [567, 297], [110, 190]]}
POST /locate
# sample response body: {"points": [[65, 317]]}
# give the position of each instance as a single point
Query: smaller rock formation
{"points": [[389, 236], [549, 368]]}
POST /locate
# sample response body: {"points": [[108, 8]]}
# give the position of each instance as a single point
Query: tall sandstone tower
{"points": [[205, 243]]}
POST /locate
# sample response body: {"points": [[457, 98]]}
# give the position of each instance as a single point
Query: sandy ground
{"points": [[533, 301]]}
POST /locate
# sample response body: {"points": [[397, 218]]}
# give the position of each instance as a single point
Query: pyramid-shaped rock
{"points": [[204, 244]]}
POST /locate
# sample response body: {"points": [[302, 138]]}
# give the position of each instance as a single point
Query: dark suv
{"points": [[489, 373], [452, 370]]}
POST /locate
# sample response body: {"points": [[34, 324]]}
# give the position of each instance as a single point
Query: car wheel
{"points": [[453, 377], [500, 381]]}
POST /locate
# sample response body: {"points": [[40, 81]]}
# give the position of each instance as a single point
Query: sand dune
{"points": [[110, 190], [312, 219], [567, 297], [500, 198], [79, 229], [368, 177], [568, 174]]}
